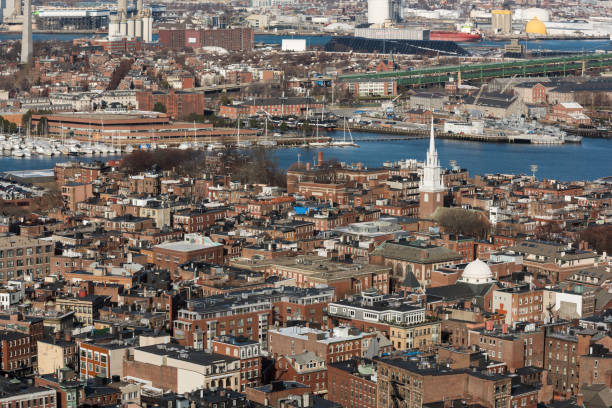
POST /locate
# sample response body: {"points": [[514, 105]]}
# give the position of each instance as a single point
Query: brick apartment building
{"points": [[101, 359], [290, 106], [179, 104], [324, 192], [519, 304], [128, 223], [518, 348], [22, 257], [31, 326], [352, 383], [306, 368], [14, 394], [74, 193], [415, 383], [339, 344], [86, 308], [556, 261], [328, 220], [18, 355], [248, 351], [204, 319], [562, 354], [596, 368], [170, 255], [179, 369], [198, 220], [63, 382], [368, 88], [80, 172], [187, 36]]}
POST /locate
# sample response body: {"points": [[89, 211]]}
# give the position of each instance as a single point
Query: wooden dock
{"points": [[414, 133]]}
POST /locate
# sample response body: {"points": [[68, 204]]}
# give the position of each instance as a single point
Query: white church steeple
{"points": [[432, 173]]}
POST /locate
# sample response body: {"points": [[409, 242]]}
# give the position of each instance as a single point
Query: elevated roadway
{"points": [[478, 72]]}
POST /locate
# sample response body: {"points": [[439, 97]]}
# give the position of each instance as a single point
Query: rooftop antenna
{"points": [[534, 170]]}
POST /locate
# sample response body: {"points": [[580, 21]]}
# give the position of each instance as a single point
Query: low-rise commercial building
{"points": [[178, 369]]}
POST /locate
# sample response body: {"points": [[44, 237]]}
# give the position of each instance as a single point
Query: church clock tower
{"points": [[431, 188]]}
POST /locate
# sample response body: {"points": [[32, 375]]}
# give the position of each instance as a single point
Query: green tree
{"points": [[7, 126], [42, 126], [253, 166], [27, 118], [159, 107], [460, 221]]}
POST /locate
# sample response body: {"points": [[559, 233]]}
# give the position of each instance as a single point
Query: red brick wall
{"points": [[160, 376], [341, 386]]}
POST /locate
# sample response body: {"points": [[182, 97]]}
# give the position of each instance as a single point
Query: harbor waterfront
{"points": [[588, 160], [577, 45]]}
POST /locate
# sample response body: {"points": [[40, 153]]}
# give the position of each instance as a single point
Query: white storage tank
{"points": [[138, 28], [379, 11], [131, 24], [113, 28], [147, 29], [123, 28]]}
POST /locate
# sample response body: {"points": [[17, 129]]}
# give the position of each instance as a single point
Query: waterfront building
{"points": [[187, 35], [133, 128]]}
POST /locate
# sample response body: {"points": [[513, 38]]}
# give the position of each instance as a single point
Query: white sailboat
{"points": [[185, 145], [318, 143], [17, 153], [244, 143], [344, 142], [266, 142]]}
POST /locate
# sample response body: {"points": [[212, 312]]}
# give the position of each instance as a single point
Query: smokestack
{"points": [[17, 8], [26, 36], [320, 159], [122, 8]]}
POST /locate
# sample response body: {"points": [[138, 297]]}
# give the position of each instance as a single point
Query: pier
{"points": [[388, 130]]}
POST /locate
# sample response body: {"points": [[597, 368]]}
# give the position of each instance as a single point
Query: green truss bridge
{"points": [[478, 72]]}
